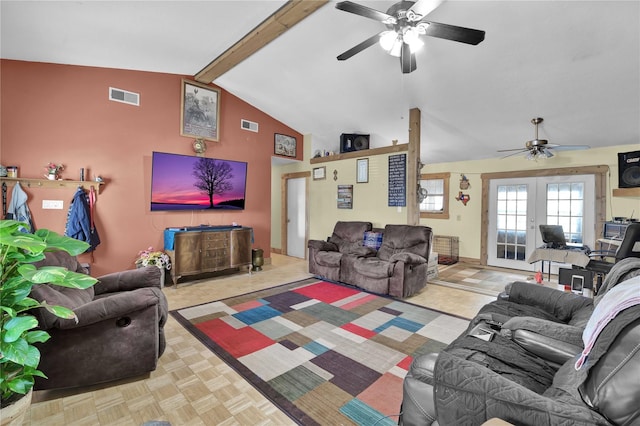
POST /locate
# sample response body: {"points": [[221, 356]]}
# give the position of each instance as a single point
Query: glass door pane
{"points": [[510, 238]]}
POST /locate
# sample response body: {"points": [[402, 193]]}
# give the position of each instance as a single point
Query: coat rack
{"points": [[46, 183]]}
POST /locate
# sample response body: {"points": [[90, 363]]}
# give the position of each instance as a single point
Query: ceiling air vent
{"points": [[124, 96], [249, 125]]}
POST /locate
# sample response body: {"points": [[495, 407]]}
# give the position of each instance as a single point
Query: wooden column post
{"points": [[413, 157]]}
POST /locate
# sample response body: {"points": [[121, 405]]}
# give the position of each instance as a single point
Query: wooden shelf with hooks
{"points": [[46, 183]]}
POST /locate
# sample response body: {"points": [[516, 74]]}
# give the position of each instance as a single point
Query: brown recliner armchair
{"points": [[119, 331], [326, 258], [400, 267]]}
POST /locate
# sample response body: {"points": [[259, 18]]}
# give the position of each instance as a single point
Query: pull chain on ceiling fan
{"points": [[405, 23], [537, 148]]}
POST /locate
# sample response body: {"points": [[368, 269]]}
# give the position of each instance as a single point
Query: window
{"points": [[436, 205], [565, 206]]}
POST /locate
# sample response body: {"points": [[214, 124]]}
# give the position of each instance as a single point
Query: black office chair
{"points": [[629, 247]]}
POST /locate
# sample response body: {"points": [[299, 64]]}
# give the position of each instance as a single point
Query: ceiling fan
{"points": [[540, 148], [405, 23]]}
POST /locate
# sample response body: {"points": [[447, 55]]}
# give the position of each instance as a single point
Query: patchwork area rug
{"points": [[477, 279], [326, 354]]}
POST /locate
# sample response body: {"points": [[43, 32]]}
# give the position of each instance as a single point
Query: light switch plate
{"points": [[52, 204]]}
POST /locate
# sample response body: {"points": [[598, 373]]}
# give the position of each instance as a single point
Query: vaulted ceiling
{"points": [[574, 63]]}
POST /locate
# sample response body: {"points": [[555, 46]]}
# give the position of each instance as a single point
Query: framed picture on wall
{"points": [[362, 170], [200, 111], [345, 196], [284, 145], [319, 173]]}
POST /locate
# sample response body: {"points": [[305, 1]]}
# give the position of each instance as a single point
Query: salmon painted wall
{"points": [[61, 114]]}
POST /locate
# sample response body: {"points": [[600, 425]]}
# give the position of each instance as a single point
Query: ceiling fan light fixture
{"points": [[388, 39], [411, 36], [391, 42]]}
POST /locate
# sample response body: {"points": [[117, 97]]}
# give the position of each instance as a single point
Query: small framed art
{"points": [[362, 170], [319, 173], [284, 145]]}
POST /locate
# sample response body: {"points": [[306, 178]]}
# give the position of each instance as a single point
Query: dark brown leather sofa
{"points": [[119, 332], [398, 268]]}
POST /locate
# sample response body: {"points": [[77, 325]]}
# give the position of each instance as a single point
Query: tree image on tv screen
{"points": [[212, 177]]}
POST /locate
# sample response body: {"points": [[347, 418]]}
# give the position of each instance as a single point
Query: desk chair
{"points": [[630, 247]]}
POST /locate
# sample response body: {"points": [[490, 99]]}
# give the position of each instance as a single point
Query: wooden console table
{"points": [[197, 250]]}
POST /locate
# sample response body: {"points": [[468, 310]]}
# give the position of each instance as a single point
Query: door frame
{"points": [[284, 188], [600, 175]]}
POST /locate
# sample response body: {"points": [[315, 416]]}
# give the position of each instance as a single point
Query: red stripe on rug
{"points": [[405, 363], [326, 292], [360, 331], [247, 305], [356, 303], [238, 342]]}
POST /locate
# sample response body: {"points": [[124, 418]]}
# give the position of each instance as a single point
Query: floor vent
{"points": [[124, 96], [249, 125]]}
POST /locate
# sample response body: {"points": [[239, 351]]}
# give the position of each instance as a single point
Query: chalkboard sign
{"points": [[398, 180]]}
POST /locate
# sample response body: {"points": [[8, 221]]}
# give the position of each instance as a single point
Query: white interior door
{"points": [[517, 206], [296, 217]]}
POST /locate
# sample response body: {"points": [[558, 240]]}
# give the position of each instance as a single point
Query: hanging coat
{"points": [[79, 221], [18, 209]]}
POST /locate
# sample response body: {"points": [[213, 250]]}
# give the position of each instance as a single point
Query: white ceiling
{"points": [[574, 63]]}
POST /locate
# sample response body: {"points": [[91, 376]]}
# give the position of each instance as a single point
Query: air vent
{"points": [[124, 96], [249, 125]]}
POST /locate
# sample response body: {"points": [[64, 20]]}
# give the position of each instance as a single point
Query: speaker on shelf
{"points": [[629, 169], [353, 142]]}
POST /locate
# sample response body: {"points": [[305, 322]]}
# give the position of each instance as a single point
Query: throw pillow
{"points": [[372, 239]]}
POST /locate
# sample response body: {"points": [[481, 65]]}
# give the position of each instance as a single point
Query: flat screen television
{"points": [[185, 182]]}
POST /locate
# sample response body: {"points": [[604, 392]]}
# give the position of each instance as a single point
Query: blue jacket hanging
{"points": [[18, 209], [80, 221]]}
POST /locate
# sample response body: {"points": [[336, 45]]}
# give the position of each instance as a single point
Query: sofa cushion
{"points": [[373, 267], [328, 258], [405, 238], [372, 239], [347, 236]]}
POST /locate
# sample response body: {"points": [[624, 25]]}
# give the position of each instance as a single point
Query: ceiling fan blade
{"points": [[569, 147], [514, 149], [424, 7], [452, 32], [522, 151], [359, 47], [407, 59], [367, 12]]}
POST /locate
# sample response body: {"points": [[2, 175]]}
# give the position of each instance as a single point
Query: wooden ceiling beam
{"points": [[271, 28]]}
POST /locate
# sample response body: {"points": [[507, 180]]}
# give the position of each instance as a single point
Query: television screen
{"points": [[185, 182]]}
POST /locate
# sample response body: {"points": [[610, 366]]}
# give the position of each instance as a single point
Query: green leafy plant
{"points": [[19, 358]]}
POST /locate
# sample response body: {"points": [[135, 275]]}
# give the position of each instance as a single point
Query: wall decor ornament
{"points": [[199, 146], [200, 111], [464, 182], [284, 145], [464, 198]]}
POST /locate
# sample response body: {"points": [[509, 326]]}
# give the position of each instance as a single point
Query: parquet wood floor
{"points": [[191, 385]]}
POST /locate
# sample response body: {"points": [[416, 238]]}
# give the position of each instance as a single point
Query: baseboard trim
{"points": [[470, 260], [276, 250]]}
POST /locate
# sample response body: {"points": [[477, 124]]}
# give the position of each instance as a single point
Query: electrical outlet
{"points": [[52, 204]]}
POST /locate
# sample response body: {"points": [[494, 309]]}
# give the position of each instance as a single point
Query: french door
{"points": [[517, 206]]}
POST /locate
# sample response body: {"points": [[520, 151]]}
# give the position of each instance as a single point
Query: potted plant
{"points": [[151, 257], [19, 358], [53, 170]]}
